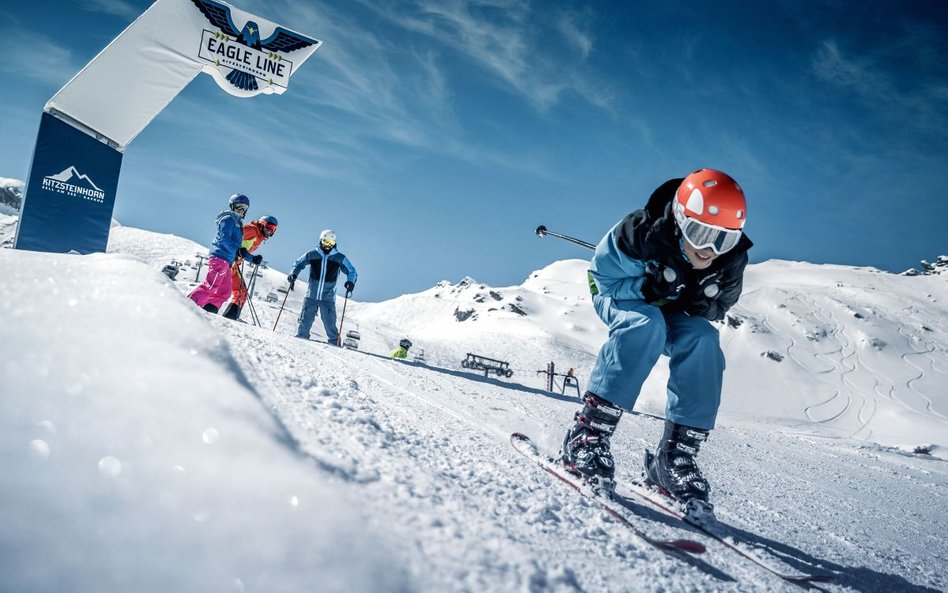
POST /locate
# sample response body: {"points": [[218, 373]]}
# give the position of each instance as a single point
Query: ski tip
{"points": [[687, 545], [816, 578], [519, 436]]}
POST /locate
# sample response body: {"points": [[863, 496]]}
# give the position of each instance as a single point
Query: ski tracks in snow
{"points": [[461, 509], [851, 405], [424, 450]]}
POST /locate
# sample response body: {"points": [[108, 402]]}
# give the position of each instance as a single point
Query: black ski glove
{"points": [[349, 286], [242, 253], [256, 260], [661, 283], [292, 280]]}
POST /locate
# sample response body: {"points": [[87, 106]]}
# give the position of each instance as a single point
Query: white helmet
{"points": [[328, 234]]}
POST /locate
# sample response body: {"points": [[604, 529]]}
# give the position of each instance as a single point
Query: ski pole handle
{"points": [[542, 231]]}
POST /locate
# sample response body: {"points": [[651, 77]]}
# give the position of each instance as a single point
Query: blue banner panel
{"points": [[70, 193]]}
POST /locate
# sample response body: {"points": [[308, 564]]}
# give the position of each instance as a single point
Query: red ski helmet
{"points": [[710, 210], [269, 223]]}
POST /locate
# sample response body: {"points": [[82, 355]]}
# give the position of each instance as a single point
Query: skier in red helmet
{"points": [[658, 279], [254, 234]]}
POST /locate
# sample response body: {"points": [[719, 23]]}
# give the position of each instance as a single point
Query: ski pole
{"points": [[253, 281], [342, 319], [253, 310], [281, 310], [542, 232], [253, 314]]}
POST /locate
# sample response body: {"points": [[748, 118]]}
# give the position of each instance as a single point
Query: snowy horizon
{"points": [[150, 446]]}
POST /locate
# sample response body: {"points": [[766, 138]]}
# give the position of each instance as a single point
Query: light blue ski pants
{"points": [[638, 334], [327, 310]]}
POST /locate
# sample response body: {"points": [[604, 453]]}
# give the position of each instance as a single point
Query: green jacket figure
{"points": [[402, 350]]}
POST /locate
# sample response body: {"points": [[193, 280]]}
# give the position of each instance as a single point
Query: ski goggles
{"points": [[327, 243], [269, 229], [701, 235], [241, 209]]}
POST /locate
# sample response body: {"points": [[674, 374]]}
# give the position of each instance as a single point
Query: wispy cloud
{"points": [[118, 8], [831, 65], [919, 100], [33, 55], [572, 26], [508, 39]]}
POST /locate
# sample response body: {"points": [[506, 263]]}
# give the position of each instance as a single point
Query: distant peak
{"points": [[940, 266]]}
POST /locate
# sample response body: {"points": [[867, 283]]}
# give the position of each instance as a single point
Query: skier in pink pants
{"points": [[216, 288]]}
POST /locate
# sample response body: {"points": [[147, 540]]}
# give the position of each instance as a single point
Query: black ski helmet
{"points": [[405, 343]]}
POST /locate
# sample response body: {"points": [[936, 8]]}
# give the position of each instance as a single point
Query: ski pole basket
{"points": [[488, 365]]}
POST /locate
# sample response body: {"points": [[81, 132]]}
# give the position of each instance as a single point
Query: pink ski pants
{"points": [[217, 286]]}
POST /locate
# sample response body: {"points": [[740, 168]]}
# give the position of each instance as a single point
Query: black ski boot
{"points": [[586, 446], [231, 312], [210, 308], [674, 471]]}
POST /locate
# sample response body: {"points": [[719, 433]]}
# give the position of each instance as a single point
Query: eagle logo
{"points": [[281, 41]]}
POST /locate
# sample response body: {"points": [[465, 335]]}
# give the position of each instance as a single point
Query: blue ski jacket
{"points": [[229, 236], [323, 271]]}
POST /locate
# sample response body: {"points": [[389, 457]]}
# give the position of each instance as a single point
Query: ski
{"points": [[715, 530], [526, 447]]}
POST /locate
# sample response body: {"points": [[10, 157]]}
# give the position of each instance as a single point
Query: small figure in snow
{"points": [[402, 350], [325, 262], [255, 233], [658, 279], [216, 288]]}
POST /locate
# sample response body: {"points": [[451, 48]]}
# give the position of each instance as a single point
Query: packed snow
{"points": [[150, 446]]}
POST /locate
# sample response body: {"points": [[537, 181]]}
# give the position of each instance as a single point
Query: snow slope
{"points": [[831, 350], [147, 445], [136, 456]]}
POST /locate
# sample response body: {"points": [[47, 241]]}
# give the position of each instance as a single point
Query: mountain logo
{"points": [[241, 57], [70, 182]]}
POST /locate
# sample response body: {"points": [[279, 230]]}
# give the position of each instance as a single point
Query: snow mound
{"points": [[129, 433]]}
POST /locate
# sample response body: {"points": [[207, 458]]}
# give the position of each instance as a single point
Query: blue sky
{"points": [[434, 136]]}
